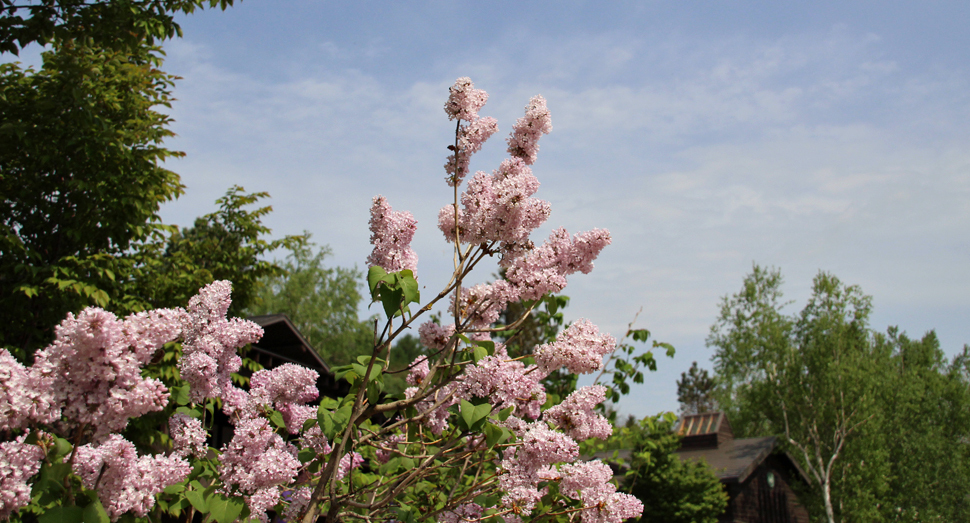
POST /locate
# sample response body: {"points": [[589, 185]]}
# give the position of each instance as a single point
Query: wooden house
{"points": [[757, 475]]}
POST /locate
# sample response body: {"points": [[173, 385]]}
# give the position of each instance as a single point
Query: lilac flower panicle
{"points": [[256, 462], [466, 512], [391, 235], [544, 270], [577, 417], [210, 342], [128, 482], [188, 436], [464, 101], [505, 383], [580, 348], [524, 141], [348, 462], [25, 395], [434, 336], [19, 461], [298, 500], [93, 369]]}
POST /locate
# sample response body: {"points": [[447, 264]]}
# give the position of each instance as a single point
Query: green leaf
{"points": [[181, 394], [374, 277], [62, 447], [276, 418], [95, 513], [225, 510], [325, 419], [471, 415], [197, 501], [68, 514], [479, 353], [374, 389], [189, 411]]}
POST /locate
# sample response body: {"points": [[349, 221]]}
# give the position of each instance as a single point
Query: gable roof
{"points": [[282, 340], [734, 460]]}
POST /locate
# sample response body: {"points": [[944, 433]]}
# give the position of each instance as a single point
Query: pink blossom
{"points": [[288, 383], [434, 336], [210, 342], [25, 395], [580, 348], [298, 500], [128, 482], [464, 512], [576, 415], [504, 383], [544, 270], [257, 457], [262, 500], [188, 436], [387, 448], [464, 101], [524, 140], [19, 461], [498, 207], [483, 304], [419, 371], [316, 440], [525, 466], [391, 234], [589, 482], [348, 462], [471, 137], [93, 369]]}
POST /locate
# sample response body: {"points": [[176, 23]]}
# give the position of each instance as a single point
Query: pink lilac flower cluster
{"points": [[348, 462], [483, 304], [257, 462], [188, 436], [391, 234], [465, 512], [464, 101], [386, 449], [576, 415], [471, 137], [25, 396], [524, 142], [498, 207], [18, 462], [210, 342], [525, 466], [589, 482], [505, 383], [298, 500], [544, 270], [125, 481], [580, 348], [93, 368], [434, 336]]}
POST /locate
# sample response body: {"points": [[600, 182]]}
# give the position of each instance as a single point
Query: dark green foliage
{"points": [[80, 178], [114, 24], [695, 391], [672, 491]]}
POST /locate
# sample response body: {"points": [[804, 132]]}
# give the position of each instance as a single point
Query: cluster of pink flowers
{"points": [[505, 383], [257, 462], [210, 342], [589, 482], [465, 512], [464, 102], [188, 436], [391, 234], [580, 348], [92, 371], [544, 270], [524, 142], [125, 481], [483, 304], [577, 417], [434, 336], [18, 462]]}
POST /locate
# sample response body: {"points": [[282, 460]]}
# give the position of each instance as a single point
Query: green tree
{"points": [[673, 491], [80, 177], [926, 410], [321, 301], [695, 391], [812, 377], [114, 24]]}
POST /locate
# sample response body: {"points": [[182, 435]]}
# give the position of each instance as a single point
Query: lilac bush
{"points": [[473, 438]]}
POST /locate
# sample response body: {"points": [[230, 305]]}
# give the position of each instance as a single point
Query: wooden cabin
{"points": [[757, 475]]}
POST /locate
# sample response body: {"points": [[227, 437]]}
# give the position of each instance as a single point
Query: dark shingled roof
{"points": [[734, 460]]}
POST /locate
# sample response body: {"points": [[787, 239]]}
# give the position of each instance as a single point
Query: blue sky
{"points": [[705, 135]]}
